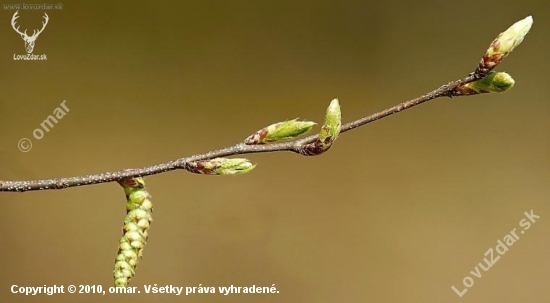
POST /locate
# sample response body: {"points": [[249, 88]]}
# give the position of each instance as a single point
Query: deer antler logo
{"points": [[29, 41]]}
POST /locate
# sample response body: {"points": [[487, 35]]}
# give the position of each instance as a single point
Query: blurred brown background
{"points": [[397, 211]]}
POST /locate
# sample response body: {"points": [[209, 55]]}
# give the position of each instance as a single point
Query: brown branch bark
{"points": [[181, 163]]}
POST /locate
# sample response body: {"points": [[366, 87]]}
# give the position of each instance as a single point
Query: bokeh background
{"points": [[398, 211]]}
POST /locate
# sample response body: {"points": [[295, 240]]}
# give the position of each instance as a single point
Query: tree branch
{"points": [[482, 80], [241, 148]]}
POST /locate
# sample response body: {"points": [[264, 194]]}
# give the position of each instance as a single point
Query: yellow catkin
{"points": [[135, 230]]}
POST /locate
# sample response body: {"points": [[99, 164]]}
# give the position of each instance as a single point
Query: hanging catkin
{"points": [[135, 231]]}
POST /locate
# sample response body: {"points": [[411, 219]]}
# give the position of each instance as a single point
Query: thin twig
{"points": [[181, 163], [314, 145]]}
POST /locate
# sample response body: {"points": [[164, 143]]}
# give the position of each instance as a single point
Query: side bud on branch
{"points": [[503, 45], [329, 132], [281, 131], [135, 231], [495, 82], [220, 166]]}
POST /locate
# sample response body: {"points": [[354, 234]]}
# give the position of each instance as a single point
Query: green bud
{"points": [[232, 166], [221, 166], [281, 131], [504, 44], [329, 131], [333, 123], [135, 231], [495, 82]]}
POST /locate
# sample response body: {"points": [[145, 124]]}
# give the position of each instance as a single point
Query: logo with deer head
{"points": [[29, 41]]}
